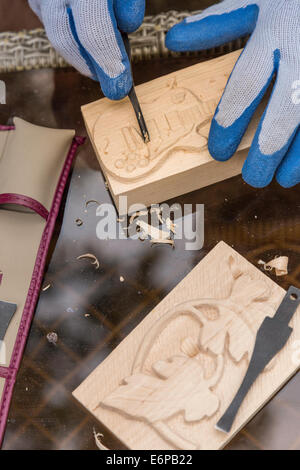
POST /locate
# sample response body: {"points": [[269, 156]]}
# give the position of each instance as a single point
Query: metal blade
{"points": [[134, 99], [271, 337], [7, 311]]}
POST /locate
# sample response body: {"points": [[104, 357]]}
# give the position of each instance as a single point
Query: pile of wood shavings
{"points": [[156, 235]]}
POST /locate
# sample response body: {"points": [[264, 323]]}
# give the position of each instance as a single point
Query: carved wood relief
{"points": [[168, 383], [177, 119], [184, 382], [178, 109]]}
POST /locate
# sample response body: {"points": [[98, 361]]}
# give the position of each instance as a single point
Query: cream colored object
{"points": [[168, 383], [178, 109], [31, 161], [279, 264]]}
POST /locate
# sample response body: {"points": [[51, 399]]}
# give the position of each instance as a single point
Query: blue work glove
{"points": [[87, 34], [274, 47]]}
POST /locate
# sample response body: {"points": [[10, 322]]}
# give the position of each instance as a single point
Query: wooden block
{"points": [[168, 383], [178, 109]]}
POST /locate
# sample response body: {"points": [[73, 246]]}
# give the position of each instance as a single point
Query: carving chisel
{"points": [[271, 337], [134, 99], [7, 311]]}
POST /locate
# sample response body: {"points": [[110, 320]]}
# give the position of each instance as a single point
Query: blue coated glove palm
{"points": [[87, 34], [274, 47]]}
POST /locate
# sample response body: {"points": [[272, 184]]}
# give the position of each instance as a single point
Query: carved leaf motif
{"points": [[232, 325], [156, 399], [247, 290], [200, 405], [240, 341]]}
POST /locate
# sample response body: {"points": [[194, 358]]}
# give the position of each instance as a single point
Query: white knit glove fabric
{"points": [[274, 48], [86, 33]]}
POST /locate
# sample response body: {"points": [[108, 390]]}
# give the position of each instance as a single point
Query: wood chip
{"points": [[170, 225], [98, 436], [152, 232], [52, 337], [46, 287], [157, 211], [137, 214], [79, 222], [165, 242], [279, 264], [92, 257]]}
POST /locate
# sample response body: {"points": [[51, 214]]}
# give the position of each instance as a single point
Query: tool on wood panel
{"points": [[7, 311], [134, 99], [271, 337]]}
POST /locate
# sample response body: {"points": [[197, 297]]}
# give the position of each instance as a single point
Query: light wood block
{"points": [[168, 383], [178, 109]]}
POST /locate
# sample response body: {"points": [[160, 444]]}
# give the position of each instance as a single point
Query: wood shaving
{"points": [[46, 287], [92, 257], [79, 222], [279, 264], [170, 225], [52, 337], [166, 242], [137, 214], [157, 211], [152, 232], [98, 436]]}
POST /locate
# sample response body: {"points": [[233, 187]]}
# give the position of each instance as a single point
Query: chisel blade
{"points": [[271, 338], [134, 99]]}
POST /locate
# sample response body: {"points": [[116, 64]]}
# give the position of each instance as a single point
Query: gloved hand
{"points": [[274, 47], [87, 34]]}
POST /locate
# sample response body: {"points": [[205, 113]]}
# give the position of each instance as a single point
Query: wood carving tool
{"points": [[7, 311], [271, 337], [134, 99]]}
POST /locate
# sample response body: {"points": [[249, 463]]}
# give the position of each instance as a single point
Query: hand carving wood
{"points": [[178, 109], [170, 380], [182, 124]]}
